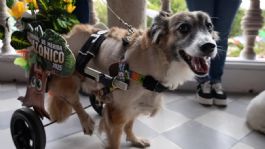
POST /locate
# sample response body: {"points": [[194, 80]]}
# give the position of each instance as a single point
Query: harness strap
{"points": [[89, 50], [122, 72], [148, 82]]}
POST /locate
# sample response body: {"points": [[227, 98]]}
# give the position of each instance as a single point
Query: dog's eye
{"points": [[209, 27], [184, 28]]}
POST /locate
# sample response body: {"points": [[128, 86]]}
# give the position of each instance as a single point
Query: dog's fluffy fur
{"points": [[255, 113], [155, 52]]}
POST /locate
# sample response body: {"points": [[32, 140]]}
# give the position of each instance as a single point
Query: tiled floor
{"points": [[181, 124]]}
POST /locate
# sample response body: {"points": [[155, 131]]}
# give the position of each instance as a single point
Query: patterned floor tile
{"points": [[60, 130], [5, 118], [255, 139], [9, 104], [242, 146], [21, 89], [164, 120], [170, 97], [182, 124], [161, 142], [236, 108], [142, 130], [8, 94], [189, 108], [226, 123], [7, 87], [76, 141], [244, 98], [6, 139], [194, 135]]}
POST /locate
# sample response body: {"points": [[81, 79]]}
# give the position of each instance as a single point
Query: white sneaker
{"points": [[204, 94], [218, 94]]}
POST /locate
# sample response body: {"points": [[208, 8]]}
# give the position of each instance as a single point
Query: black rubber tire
{"points": [[97, 106], [27, 130]]}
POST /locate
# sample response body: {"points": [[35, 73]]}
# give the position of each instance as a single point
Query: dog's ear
{"points": [[159, 27]]}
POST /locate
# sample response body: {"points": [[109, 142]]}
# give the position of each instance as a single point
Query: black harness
{"points": [[90, 49]]}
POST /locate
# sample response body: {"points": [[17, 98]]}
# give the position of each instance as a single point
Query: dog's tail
{"points": [[59, 109]]}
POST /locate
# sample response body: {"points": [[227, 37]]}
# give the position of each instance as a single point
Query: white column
{"points": [[6, 49], [251, 23]]}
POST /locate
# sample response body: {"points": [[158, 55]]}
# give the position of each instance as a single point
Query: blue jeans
{"points": [[222, 13], [82, 11]]}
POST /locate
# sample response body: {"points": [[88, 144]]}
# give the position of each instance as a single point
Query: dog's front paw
{"points": [[140, 143], [88, 126], [171, 86]]}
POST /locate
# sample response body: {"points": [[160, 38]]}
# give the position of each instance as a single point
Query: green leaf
{"points": [[43, 6], [19, 40], [22, 62], [2, 32], [10, 3]]}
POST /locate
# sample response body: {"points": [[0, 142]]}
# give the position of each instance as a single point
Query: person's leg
{"points": [[225, 11], [201, 5], [82, 11]]}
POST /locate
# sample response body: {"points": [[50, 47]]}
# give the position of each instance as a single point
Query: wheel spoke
{"points": [[23, 135]]}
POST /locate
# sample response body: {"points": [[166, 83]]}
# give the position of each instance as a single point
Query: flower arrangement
{"points": [[45, 14], [49, 14]]}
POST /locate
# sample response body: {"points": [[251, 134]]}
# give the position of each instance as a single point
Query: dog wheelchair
{"points": [[27, 129]]}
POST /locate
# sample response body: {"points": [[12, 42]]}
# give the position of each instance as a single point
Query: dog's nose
{"points": [[207, 48]]}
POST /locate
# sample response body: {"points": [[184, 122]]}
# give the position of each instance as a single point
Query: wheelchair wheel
{"points": [[97, 106], [27, 130]]}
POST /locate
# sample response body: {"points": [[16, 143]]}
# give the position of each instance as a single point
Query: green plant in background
{"points": [[2, 32], [101, 10], [236, 27], [177, 5]]}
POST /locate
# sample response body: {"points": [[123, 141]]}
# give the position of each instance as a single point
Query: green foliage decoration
{"points": [[19, 40], [9, 3], [2, 32]]}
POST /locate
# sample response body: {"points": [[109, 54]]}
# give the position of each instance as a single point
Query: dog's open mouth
{"points": [[198, 65]]}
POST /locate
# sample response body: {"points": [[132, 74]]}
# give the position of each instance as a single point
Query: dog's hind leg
{"points": [[85, 120], [113, 122], [130, 136]]}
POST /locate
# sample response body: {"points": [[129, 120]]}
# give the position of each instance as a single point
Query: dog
{"points": [[255, 111], [172, 51]]}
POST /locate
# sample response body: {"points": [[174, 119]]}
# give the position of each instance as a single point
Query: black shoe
{"points": [[219, 96], [204, 95]]}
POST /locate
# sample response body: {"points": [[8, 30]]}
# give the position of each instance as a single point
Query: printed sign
{"points": [[52, 51]]}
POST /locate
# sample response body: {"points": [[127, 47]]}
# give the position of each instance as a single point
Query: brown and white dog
{"points": [[173, 50]]}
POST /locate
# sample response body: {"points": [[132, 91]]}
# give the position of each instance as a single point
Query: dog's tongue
{"points": [[199, 65]]}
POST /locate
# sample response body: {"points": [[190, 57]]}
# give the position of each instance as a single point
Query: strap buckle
{"points": [[116, 83]]}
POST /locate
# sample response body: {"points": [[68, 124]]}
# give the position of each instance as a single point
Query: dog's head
{"points": [[187, 37]]}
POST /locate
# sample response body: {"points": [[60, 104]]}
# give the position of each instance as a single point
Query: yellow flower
{"points": [[18, 9], [34, 3], [68, 1], [70, 8]]}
